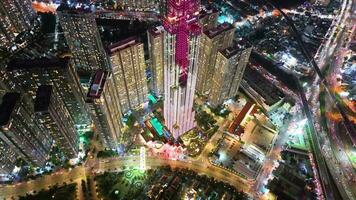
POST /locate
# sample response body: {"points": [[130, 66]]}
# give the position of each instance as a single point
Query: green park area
{"points": [[220, 111], [162, 183], [352, 157], [128, 184], [106, 153], [204, 120], [66, 192]]}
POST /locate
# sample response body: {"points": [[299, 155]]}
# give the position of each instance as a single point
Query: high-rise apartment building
{"points": [[26, 138], [181, 42], [155, 48], [27, 75], [82, 35], [141, 5], [15, 17], [129, 72], [51, 111], [8, 158], [229, 69], [208, 18], [103, 100], [212, 41], [112, 108]]}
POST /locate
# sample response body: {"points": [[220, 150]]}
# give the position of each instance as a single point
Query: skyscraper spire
{"points": [[181, 20]]}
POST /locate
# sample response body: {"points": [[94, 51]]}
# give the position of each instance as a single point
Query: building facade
{"points": [[155, 48], [104, 103], [141, 5], [53, 114], [129, 73], [8, 158], [212, 41], [229, 69], [112, 108], [26, 138], [82, 35], [181, 41], [27, 75], [15, 17]]}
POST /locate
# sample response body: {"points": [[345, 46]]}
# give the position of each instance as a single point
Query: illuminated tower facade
{"points": [[82, 35], [230, 66], [51, 111], [181, 42], [20, 134], [103, 101], [27, 75], [155, 46], [15, 17], [141, 5], [211, 42], [8, 158], [128, 71]]}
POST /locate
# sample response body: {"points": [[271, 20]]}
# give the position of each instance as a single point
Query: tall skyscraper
{"points": [[82, 35], [52, 112], [27, 75], [229, 69], [26, 138], [211, 42], [112, 108], [181, 41], [129, 72], [104, 103], [15, 17], [155, 48]]}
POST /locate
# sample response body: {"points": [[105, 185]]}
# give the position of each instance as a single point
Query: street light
{"points": [[305, 52]]}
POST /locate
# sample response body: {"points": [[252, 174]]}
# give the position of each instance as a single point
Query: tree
{"points": [[131, 121], [235, 98], [204, 120]]}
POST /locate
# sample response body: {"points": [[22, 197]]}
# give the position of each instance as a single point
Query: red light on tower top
{"points": [[181, 20]]}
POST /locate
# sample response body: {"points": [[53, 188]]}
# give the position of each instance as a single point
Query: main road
{"points": [[320, 140], [117, 164]]}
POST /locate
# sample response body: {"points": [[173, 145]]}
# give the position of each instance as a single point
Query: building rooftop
{"points": [[9, 102], [262, 86], [43, 98], [207, 11], [73, 10], [40, 63], [156, 31], [123, 44], [230, 51], [97, 84], [236, 47], [219, 29]]}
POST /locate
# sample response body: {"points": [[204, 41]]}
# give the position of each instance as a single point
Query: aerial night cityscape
{"points": [[178, 99]]}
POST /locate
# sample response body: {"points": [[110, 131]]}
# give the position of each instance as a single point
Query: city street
{"points": [[201, 165], [117, 164], [324, 57], [92, 88]]}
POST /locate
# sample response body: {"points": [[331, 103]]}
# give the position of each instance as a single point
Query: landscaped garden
{"points": [[194, 141]]}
